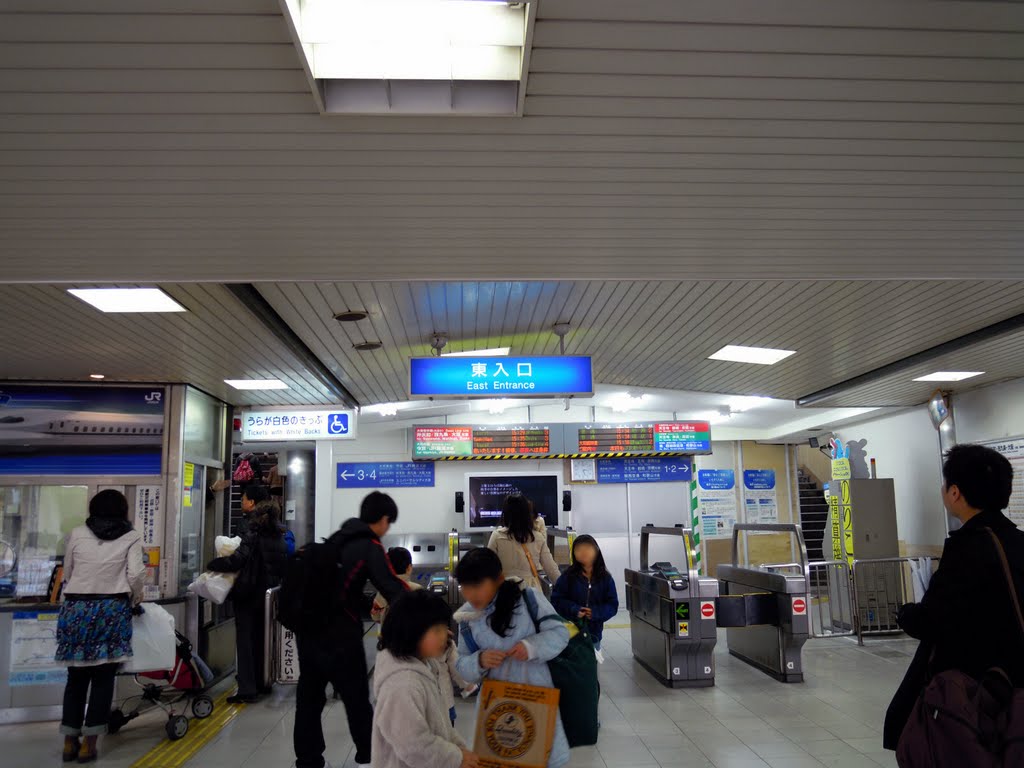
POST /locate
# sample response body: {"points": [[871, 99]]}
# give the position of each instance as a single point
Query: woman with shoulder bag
{"points": [[259, 562], [104, 573], [521, 549]]}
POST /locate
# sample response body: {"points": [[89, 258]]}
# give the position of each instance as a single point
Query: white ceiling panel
{"points": [[652, 334], [51, 336], [177, 141]]}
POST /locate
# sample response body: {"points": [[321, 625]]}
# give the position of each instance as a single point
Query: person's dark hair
{"points": [[108, 515], [984, 476], [600, 569], [109, 505], [401, 559], [376, 507], [480, 565], [265, 518], [409, 618], [256, 492], [517, 516]]}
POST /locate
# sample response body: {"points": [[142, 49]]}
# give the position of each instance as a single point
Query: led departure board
{"points": [[665, 437], [442, 442]]}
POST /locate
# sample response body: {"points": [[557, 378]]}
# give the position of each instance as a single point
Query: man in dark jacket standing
{"points": [[967, 620], [334, 653]]}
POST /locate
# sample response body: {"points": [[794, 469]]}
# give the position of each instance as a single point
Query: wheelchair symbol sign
{"points": [[337, 423]]}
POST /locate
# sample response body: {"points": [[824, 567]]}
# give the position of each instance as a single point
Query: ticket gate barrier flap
{"points": [[770, 629]]}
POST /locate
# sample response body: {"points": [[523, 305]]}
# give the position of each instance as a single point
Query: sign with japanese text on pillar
{"points": [[840, 504]]}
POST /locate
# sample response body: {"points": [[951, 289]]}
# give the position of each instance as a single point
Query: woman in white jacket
{"points": [[103, 578], [411, 725]]}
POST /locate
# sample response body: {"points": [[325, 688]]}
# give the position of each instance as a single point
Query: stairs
{"points": [[813, 514]]}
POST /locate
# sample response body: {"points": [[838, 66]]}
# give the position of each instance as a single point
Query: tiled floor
{"points": [[747, 720]]}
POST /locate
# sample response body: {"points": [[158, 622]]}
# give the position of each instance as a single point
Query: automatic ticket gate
{"points": [[766, 609], [672, 614], [434, 557]]}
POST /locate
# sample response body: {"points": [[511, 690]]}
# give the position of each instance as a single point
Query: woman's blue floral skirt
{"points": [[94, 631]]}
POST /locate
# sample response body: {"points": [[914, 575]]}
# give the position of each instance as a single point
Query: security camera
{"points": [[438, 342]]}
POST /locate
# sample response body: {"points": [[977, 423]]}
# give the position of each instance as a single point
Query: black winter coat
{"points": [[966, 616], [259, 562], [363, 558]]}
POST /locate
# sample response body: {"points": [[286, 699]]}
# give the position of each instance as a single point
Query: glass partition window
{"points": [[34, 523]]}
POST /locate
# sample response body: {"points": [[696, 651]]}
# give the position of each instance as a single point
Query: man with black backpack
{"points": [[322, 601]]}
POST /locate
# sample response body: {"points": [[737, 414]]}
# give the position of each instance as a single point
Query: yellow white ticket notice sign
{"points": [[516, 725]]}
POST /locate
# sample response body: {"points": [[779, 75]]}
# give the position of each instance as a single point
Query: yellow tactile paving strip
{"points": [[174, 754]]}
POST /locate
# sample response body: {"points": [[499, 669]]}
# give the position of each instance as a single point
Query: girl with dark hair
{"points": [[586, 592], [498, 635], [259, 562], [519, 545], [103, 578], [411, 724]]}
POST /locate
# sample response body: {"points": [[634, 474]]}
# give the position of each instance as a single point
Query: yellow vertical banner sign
{"points": [[837, 526], [847, 508], [840, 508]]}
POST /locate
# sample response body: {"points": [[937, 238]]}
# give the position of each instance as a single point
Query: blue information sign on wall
{"points": [[491, 377], [654, 470], [387, 474]]}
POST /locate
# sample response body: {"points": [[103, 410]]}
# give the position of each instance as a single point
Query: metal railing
{"points": [[831, 598], [880, 587]]}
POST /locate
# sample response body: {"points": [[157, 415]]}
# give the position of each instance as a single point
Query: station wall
{"points": [[905, 446], [614, 513]]}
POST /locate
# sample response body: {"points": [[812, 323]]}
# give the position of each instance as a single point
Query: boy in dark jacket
{"points": [[334, 653]]}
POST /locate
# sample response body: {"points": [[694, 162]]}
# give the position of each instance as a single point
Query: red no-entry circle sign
{"points": [[707, 610], [799, 606]]}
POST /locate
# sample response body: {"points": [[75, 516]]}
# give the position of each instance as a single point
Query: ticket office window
{"points": [[34, 523]]}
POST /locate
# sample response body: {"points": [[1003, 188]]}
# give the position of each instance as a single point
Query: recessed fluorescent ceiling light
{"points": [[256, 383], [755, 355], [742, 403], [950, 375], [445, 40], [496, 352], [127, 299], [384, 409]]}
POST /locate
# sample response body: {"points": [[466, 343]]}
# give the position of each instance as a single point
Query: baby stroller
{"points": [[184, 685]]}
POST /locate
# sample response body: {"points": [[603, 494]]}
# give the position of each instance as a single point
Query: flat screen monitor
{"points": [[487, 494]]}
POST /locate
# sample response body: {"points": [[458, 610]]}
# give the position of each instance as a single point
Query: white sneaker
{"points": [[600, 656]]}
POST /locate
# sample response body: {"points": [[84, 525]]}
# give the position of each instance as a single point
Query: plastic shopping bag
{"points": [[215, 587], [153, 640]]}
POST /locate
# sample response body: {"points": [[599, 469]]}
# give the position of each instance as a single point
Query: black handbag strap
{"points": [[1009, 578]]}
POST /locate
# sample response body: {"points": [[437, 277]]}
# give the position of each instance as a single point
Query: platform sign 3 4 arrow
{"points": [[388, 474]]}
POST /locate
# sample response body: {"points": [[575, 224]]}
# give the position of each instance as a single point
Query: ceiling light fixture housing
{"points": [[367, 346], [754, 355], [256, 384], [414, 57], [125, 300], [950, 376], [351, 316]]}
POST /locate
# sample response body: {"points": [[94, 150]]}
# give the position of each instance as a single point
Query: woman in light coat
{"points": [[498, 636], [523, 549], [103, 579]]}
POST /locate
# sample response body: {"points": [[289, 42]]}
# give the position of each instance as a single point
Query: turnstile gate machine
{"points": [[672, 614], [766, 609]]}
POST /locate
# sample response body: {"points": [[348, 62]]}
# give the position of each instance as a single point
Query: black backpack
{"points": [[310, 595]]}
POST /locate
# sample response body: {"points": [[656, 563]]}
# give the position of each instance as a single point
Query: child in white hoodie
{"points": [[401, 561], [411, 724]]}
